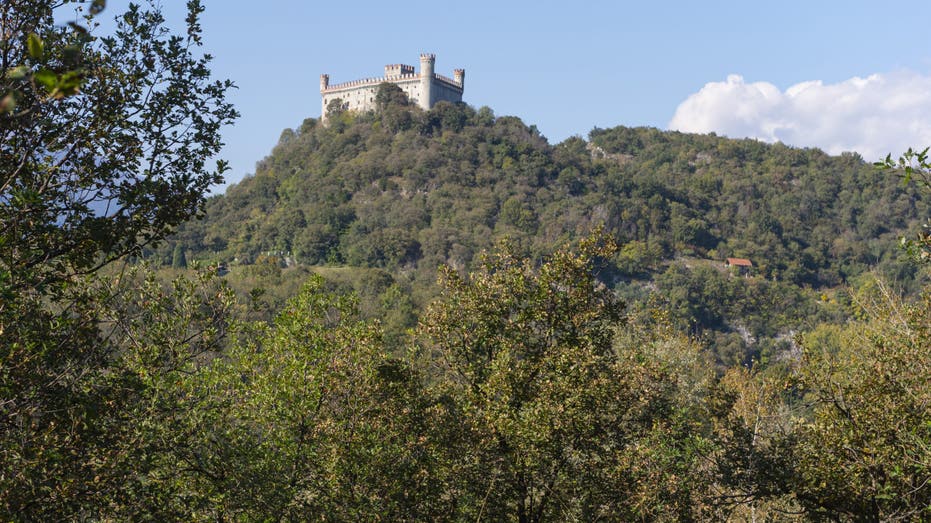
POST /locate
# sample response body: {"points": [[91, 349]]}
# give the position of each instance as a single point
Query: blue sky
{"points": [[723, 66]]}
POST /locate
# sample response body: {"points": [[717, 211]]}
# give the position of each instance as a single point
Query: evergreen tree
{"points": [[178, 260]]}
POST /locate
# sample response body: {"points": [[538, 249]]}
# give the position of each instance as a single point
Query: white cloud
{"points": [[876, 115]]}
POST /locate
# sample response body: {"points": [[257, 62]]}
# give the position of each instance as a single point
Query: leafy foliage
{"points": [[913, 166], [94, 176], [406, 191], [103, 150], [866, 453], [90, 394], [306, 419], [556, 420], [527, 392]]}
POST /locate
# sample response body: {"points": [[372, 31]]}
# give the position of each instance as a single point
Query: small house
{"points": [[743, 265]]}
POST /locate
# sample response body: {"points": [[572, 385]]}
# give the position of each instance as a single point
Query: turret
{"points": [[324, 83], [459, 77], [427, 61], [398, 70]]}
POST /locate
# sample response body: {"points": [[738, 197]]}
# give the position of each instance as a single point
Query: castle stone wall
{"points": [[424, 89], [443, 92]]}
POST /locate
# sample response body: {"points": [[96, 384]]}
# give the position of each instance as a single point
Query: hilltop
{"points": [[393, 194]]}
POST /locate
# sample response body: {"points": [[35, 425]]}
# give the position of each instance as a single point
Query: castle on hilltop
{"points": [[424, 89]]}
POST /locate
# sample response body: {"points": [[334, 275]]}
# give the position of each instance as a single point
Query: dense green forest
{"points": [[437, 316], [381, 200]]}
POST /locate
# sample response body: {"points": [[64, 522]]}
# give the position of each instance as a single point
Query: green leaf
{"points": [[69, 84], [47, 78], [35, 45], [97, 7], [17, 73], [8, 103], [79, 29]]}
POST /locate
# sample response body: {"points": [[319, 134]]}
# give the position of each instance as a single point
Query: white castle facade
{"points": [[424, 89]]}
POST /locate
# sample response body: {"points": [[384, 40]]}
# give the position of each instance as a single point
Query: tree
{"points": [[557, 411], [914, 166], [754, 429], [393, 106], [178, 259], [865, 454], [389, 94], [307, 419], [104, 143], [90, 400], [842, 433], [91, 177], [336, 107]]}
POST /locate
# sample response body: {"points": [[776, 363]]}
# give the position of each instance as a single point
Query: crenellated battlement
{"points": [[449, 81], [425, 88], [369, 81], [398, 70]]}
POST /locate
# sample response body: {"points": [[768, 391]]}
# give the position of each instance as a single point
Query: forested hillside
{"points": [[401, 192], [353, 352]]}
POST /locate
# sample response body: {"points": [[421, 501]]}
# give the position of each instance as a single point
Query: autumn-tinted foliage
{"points": [[404, 191], [104, 143], [563, 410], [548, 379], [866, 452]]}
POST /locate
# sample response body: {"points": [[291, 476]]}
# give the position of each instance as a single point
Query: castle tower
{"points": [[324, 83], [427, 61], [459, 77], [398, 70]]}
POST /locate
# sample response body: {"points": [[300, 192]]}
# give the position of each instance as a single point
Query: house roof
{"points": [[739, 262]]}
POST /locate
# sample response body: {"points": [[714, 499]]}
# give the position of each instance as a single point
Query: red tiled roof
{"points": [[739, 262]]}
